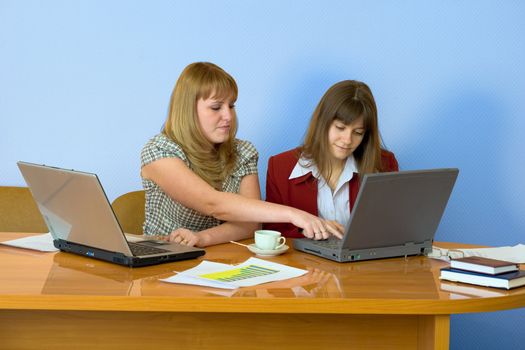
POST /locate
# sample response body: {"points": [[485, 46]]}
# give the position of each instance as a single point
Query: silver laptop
{"points": [[81, 220], [395, 214]]}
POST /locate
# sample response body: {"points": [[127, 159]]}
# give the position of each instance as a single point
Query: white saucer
{"points": [[267, 252]]}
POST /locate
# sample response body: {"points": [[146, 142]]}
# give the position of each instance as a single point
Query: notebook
{"points": [[81, 220], [395, 214]]}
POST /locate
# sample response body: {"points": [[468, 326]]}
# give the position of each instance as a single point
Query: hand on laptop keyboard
{"points": [[332, 227], [184, 236]]}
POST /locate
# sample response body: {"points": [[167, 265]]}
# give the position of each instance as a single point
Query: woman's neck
{"points": [[337, 167]]}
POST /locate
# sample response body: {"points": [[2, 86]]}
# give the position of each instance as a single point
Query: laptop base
{"points": [[347, 255], [121, 259]]}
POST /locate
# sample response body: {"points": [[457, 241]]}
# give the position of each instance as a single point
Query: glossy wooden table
{"points": [[63, 301]]}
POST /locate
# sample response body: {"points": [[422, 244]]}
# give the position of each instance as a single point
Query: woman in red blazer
{"points": [[322, 176]]}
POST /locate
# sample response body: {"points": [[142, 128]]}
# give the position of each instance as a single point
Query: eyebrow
{"points": [[342, 122], [222, 101]]}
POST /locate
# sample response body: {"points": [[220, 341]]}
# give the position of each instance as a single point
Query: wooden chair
{"points": [[129, 209], [19, 212]]}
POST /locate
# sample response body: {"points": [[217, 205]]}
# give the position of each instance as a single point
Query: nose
{"points": [[347, 137], [227, 114]]}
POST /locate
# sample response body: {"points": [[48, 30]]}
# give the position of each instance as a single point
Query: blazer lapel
{"points": [[304, 193], [354, 189]]}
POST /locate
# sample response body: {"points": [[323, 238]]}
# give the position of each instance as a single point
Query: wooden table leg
{"points": [[434, 332]]}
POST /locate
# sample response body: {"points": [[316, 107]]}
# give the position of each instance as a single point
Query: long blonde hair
{"points": [[213, 163], [346, 101]]}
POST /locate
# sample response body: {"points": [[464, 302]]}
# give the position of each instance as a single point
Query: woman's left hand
{"points": [[183, 236]]}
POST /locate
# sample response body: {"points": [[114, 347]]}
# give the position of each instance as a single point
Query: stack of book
{"points": [[484, 272]]}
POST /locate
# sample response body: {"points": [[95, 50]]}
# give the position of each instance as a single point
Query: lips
{"points": [[224, 127], [346, 149]]}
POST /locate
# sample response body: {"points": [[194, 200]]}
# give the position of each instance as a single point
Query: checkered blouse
{"points": [[163, 214]]}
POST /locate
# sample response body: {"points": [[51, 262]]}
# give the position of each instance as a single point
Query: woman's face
{"points": [[343, 139], [215, 118]]}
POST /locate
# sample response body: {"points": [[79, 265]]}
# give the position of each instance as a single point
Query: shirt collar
{"points": [[305, 166], [348, 172]]}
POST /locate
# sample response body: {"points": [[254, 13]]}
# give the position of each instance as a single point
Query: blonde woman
{"points": [[201, 182], [342, 142]]}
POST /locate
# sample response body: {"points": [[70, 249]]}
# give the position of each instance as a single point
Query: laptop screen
{"points": [[399, 207], [75, 207]]}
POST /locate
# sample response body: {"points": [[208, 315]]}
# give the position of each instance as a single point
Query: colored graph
{"points": [[238, 274]]}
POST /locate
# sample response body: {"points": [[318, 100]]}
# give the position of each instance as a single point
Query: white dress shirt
{"points": [[330, 205]]}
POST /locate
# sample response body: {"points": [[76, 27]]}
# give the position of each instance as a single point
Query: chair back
{"points": [[130, 211], [19, 212]]}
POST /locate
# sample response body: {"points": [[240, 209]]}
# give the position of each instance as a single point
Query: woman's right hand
{"points": [[315, 227], [184, 237]]}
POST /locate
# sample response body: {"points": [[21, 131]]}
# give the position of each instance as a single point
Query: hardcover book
{"points": [[507, 280], [485, 265]]}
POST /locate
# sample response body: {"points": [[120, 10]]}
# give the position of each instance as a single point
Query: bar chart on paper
{"points": [[238, 274], [249, 273]]}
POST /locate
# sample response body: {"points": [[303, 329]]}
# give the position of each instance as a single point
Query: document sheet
{"points": [[249, 273], [515, 254], [43, 243]]}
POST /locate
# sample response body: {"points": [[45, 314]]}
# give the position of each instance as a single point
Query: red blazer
{"points": [[301, 192]]}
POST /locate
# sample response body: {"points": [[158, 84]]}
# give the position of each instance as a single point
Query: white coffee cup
{"points": [[269, 240]]}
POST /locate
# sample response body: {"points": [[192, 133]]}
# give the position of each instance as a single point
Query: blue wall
{"points": [[84, 84]]}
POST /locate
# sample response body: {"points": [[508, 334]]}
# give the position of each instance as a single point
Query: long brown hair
{"points": [[346, 101], [213, 163]]}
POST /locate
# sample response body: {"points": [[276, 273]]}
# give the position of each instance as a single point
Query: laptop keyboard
{"points": [[141, 249], [328, 243]]}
